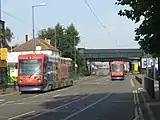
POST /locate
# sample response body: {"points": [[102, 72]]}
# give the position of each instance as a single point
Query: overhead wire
{"points": [[98, 19], [86, 2], [18, 19]]}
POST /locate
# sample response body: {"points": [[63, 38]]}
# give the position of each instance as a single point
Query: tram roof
{"points": [[63, 58]]}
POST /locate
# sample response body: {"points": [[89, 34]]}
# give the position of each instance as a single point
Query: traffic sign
{"points": [[3, 53]]}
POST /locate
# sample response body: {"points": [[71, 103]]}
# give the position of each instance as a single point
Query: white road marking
{"points": [[135, 102], [30, 103], [76, 94], [9, 102], [1, 100], [8, 94], [57, 95], [139, 108], [49, 100], [15, 117], [28, 97], [132, 83], [87, 107], [64, 105]]}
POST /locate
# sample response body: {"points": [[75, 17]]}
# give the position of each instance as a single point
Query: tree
{"points": [[146, 12], [64, 38], [8, 35], [65, 43], [53, 33], [70, 42], [82, 64], [46, 33]]}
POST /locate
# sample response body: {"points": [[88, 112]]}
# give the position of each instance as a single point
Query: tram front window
{"points": [[29, 67], [117, 67]]}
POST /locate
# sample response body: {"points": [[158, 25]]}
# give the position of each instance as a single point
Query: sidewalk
{"points": [[152, 104], [8, 90]]}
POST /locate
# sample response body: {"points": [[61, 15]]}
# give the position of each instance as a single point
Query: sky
{"points": [[119, 31]]}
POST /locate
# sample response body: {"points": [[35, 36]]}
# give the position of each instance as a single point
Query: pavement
{"points": [[153, 105], [94, 98]]}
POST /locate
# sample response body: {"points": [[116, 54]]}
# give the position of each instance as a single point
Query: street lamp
{"points": [[34, 6]]}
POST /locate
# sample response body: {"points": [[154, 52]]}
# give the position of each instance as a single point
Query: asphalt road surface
{"points": [[94, 98]]}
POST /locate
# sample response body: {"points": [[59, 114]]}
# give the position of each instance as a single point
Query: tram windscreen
{"points": [[30, 66], [117, 67]]}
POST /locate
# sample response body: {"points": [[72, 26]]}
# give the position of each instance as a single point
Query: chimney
{"points": [[48, 41], [26, 38]]}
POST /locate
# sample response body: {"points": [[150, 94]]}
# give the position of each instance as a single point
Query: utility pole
{"points": [[75, 65], [55, 37], [3, 53], [147, 60], [33, 31], [0, 9], [1, 24]]}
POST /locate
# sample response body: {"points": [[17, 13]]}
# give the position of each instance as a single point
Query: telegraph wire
{"points": [[20, 20], [94, 13]]}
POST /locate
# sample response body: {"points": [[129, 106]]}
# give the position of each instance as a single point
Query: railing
{"points": [[148, 84]]}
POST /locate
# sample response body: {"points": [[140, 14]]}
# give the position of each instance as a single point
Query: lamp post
{"points": [[34, 6]]}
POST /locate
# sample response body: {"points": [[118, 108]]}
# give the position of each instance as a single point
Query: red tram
{"points": [[117, 70], [42, 72]]}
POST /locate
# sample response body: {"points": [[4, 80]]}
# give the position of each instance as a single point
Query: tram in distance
{"points": [[117, 70], [42, 72]]}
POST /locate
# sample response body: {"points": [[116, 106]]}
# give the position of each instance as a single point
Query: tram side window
{"points": [[62, 71], [48, 67], [70, 71], [58, 70], [67, 71], [64, 74]]}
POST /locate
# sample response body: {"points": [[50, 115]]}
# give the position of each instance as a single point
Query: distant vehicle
{"points": [[42, 72], [117, 70], [125, 68]]}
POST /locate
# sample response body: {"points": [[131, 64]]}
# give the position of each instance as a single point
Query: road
{"points": [[95, 98]]}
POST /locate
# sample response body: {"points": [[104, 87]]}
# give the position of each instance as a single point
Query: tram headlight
{"points": [[39, 81], [20, 81]]}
